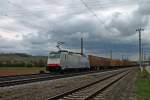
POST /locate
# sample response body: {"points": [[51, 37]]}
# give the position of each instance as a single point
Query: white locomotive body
{"points": [[64, 60]]}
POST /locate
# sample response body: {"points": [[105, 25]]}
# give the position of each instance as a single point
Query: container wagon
{"points": [[98, 63]]}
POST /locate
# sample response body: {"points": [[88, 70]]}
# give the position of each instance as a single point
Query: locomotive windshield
{"points": [[54, 55]]}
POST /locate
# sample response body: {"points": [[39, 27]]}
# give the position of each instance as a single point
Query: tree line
{"points": [[22, 60]]}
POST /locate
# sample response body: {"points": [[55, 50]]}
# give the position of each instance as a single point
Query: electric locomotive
{"points": [[62, 60]]}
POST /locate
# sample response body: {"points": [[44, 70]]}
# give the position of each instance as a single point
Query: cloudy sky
{"points": [[35, 26]]}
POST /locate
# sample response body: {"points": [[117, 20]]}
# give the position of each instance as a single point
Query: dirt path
{"points": [[12, 71]]}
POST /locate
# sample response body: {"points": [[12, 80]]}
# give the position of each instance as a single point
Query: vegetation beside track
{"points": [[21, 60], [143, 86]]}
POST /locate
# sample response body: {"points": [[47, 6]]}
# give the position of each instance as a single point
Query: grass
{"points": [[7, 71], [143, 86]]}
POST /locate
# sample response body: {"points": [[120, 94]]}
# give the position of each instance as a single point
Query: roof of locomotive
{"points": [[69, 52]]}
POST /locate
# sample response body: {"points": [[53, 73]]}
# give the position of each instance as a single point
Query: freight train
{"points": [[67, 61], [62, 60]]}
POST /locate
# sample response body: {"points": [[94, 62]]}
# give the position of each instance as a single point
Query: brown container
{"points": [[116, 63], [98, 62]]}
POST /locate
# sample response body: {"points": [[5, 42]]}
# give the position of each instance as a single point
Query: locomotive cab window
{"points": [[54, 55]]}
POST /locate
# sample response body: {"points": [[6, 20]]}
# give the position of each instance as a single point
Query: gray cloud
{"points": [[42, 23]]}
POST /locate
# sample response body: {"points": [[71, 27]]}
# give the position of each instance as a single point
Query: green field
{"points": [[143, 86]]}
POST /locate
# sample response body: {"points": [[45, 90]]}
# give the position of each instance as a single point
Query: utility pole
{"points": [[111, 54], [149, 60], [127, 58], [142, 56], [144, 59], [122, 57], [140, 47], [81, 46]]}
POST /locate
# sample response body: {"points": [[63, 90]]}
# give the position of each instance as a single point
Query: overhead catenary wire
{"points": [[85, 4]]}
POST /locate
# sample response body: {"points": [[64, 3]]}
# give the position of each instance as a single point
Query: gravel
{"points": [[121, 90], [45, 89]]}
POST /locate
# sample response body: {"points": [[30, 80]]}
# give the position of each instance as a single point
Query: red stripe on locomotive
{"points": [[53, 65]]}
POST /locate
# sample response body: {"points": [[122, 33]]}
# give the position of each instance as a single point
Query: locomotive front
{"points": [[53, 63]]}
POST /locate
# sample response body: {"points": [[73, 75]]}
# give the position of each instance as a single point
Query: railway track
{"points": [[23, 79], [6, 78], [90, 91]]}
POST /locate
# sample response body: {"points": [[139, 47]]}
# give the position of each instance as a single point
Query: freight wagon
{"points": [[116, 63], [98, 63]]}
